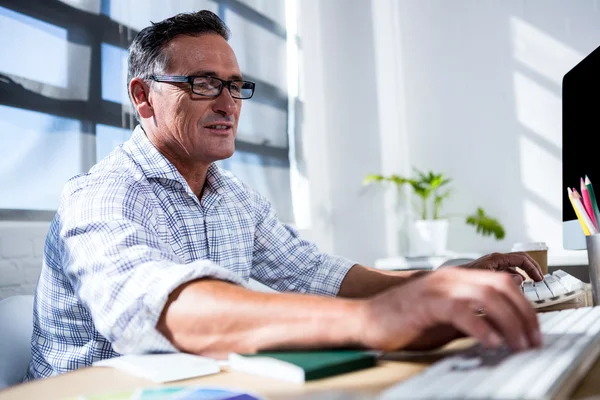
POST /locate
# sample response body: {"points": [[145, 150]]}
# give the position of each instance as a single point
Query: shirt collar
{"points": [[155, 165], [150, 160]]}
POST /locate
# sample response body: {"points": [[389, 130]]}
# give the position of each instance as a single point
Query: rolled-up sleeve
{"points": [[119, 267], [285, 262]]}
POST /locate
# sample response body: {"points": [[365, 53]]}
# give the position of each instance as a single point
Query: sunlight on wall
{"points": [[541, 226], [541, 172], [298, 181], [538, 109], [543, 60], [541, 52]]}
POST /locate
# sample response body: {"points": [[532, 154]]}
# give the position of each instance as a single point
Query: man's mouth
{"points": [[218, 127]]}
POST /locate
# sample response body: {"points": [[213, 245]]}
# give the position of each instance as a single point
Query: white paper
{"points": [[163, 367]]}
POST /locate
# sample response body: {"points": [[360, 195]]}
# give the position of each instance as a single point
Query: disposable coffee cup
{"points": [[537, 250]]}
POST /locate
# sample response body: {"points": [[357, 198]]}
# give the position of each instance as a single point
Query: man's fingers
{"points": [[506, 309], [533, 261], [505, 318], [525, 262], [513, 302], [525, 311], [516, 276], [468, 322]]}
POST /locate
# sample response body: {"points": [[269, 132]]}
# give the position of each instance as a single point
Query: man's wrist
{"points": [[362, 321], [352, 323]]}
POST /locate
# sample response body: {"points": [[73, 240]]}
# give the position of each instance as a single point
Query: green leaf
{"points": [[372, 178], [398, 180], [420, 175], [426, 187], [437, 202], [486, 225]]}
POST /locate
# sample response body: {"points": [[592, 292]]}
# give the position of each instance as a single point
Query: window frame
{"points": [[92, 30]]}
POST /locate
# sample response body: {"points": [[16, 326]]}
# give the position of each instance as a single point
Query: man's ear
{"points": [[140, 95]]}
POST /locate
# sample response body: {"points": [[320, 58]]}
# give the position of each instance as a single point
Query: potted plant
{"points": [[429, 232]]}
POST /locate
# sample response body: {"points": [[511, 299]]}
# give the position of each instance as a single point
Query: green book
{"points": [[302, 366]]}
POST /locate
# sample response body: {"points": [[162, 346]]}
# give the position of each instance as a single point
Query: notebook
{"points": [[302, 366], [165, 367]]}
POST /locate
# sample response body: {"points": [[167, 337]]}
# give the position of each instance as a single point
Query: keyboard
{"points": [[570, 348], [557, 287]]}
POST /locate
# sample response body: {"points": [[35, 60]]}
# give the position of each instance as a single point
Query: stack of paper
{"points": [[163, 367]]}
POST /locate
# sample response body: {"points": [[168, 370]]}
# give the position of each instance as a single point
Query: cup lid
{"points": [[529, 246]]}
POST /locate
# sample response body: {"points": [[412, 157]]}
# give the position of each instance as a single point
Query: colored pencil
{"points": [[584, 220], [587, 202], [590, 189]]}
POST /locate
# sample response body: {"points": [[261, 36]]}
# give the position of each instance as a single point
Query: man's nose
{"points": [[225, 104]]}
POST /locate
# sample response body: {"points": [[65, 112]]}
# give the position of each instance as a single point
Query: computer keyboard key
{"points": [[571, 344], [556, 288], [519, 381], [566, 322], [552, 288], [482, 389], [568, 281], [542, 290], [531, 295]]}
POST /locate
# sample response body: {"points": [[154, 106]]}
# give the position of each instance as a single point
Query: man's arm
{"points": [[117, 264], [257, 321], [361, 281], [213, 318]]}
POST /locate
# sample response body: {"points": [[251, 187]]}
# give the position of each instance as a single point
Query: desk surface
{"points": [[394, 368]]}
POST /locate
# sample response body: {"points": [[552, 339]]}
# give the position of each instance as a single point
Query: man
{"points": [[152, 250]]}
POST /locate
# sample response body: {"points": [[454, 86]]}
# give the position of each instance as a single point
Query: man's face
{"points": [[193, 127]]}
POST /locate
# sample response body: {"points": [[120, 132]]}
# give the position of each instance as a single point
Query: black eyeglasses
{"points": [[210, 86]]}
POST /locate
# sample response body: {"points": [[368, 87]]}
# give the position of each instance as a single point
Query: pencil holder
{"points": [[593, 251]]}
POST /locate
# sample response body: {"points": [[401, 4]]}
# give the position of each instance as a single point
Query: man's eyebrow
{"points": [[212, 73]]}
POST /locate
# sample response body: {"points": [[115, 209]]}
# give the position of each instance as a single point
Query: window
{"points": [[64, 103], [108, 137], [40, 148]]}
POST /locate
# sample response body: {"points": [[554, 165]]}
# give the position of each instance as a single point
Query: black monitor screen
{"points": [[581, 124]]}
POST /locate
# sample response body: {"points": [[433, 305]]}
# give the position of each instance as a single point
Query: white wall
{"points": [[21, 249], [478, 86], [483, 83], [340, 131]]}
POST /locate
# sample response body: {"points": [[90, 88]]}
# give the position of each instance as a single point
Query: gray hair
{"points": [[146, 55]]}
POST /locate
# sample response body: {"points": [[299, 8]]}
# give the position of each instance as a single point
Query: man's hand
{"points": [[507, 263], [401, 316]]}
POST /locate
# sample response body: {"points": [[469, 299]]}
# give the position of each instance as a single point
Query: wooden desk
{"points": [[365, 384]]}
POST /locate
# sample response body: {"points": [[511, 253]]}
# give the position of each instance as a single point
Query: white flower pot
{"points": [[428, 237]]}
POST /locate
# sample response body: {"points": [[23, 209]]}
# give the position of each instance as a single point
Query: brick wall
{"points": [[21, 249]]}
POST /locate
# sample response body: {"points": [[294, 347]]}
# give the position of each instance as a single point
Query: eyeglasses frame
{"points": [[190, 79]]}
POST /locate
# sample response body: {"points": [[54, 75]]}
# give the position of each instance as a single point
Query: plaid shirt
{"points": [[130, 231]]}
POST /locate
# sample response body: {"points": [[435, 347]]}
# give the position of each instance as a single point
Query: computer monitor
{"points": [[580, 125]]}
